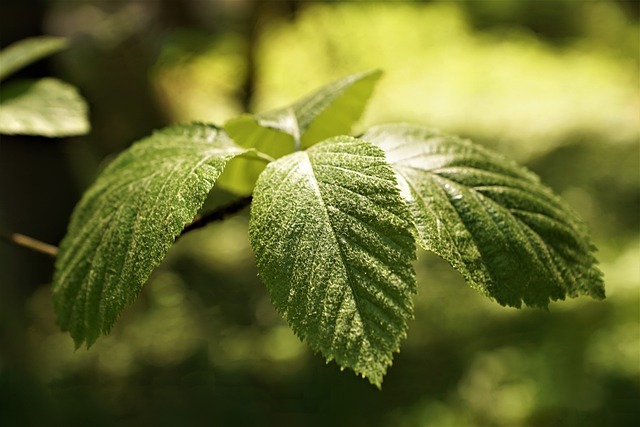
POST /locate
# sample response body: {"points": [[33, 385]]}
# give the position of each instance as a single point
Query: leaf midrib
{"points": [[480, 195], [320, 197], [146, 180], [486, 199]]}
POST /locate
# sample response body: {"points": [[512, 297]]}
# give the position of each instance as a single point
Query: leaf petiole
{"points": [[218, 214]]}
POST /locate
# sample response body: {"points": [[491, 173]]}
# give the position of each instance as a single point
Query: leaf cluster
{"points": [[334, 222]]}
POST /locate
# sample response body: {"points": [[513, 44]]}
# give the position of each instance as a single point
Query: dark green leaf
{"points": [[331, 110], [126, 222], [27, 51], [45, 107], [509, 235], [333, 245]]}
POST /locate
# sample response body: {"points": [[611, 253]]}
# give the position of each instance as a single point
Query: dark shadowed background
{"points": [[553, 84]]}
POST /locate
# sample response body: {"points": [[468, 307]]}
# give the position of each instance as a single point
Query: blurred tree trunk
{"points": [[252, 23], [258, 13]]}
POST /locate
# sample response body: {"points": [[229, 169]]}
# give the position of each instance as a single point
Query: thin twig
{"points": [[198, 222], [217, 215], [29, 243]]}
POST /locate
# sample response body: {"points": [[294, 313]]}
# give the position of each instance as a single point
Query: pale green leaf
{"points": [[46, 107], [27, 51], [332, 110], [126, 222], [508, 234], [333, 244], [241, 174]]}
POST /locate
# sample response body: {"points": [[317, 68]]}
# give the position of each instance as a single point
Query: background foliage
{"points": [[553, 84]]}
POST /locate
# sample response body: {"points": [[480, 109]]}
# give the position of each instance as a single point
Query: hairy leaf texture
{"points": [[492, 220], [333, 244], [126, 222]]}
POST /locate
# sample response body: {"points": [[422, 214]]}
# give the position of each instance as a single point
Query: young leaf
{"points": [[27, 51], [126, 222], [241, 174], [509, 236], [333, 245], [47, 107], [331, 110], [334, 109]]}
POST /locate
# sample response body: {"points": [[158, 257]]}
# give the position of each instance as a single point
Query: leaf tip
{"points": [[375, 74], [374, 380]]}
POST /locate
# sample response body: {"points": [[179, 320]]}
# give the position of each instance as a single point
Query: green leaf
{"points": [[126, 222], [331, 110], [492, 220], [27, 51], [45, 107], [241, 174], [334, 109], [333, 245]]}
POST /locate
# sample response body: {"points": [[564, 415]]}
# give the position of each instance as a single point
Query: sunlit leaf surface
{"points": [[333, 245], [509, 235], [331, 110], [126, 222], [47, 107]]}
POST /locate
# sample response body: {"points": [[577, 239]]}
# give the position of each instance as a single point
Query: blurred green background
{"points": [[553, 84]]}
